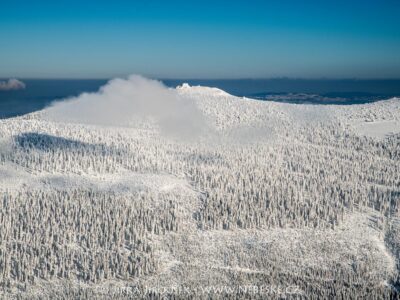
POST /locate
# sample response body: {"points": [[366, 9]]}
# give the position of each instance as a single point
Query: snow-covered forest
{"points": [[268, 194]]}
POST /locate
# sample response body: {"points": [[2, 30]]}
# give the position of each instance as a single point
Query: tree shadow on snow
{"points": [[45, 142]]}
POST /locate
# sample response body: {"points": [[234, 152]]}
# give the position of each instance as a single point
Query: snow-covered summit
{"points": [[201, 90], [296, 189]]}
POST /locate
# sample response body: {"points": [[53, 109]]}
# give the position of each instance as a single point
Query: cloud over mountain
{"points": [[122, 100]]}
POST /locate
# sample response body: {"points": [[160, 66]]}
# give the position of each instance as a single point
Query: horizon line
{"points": [[211, 79]]}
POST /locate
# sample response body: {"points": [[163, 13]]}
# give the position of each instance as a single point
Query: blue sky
{"points": [[200, 39]]}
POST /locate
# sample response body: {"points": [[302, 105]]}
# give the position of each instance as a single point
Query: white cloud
{"points": [[123, 100], [12, 84]]}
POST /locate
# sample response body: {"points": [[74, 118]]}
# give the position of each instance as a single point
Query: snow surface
{"points": [[270, 193]]}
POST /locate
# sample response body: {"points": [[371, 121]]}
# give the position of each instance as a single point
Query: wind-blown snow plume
{"points": [[12, 84], [122, 100]]}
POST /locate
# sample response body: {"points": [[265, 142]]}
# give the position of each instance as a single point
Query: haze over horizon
{"points": [[213, 40]]}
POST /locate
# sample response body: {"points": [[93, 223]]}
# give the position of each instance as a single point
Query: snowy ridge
{"points": [[201, 90], [268, 194]]}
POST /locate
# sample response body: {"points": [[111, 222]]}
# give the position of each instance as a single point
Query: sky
{"points": [[200, 39]]}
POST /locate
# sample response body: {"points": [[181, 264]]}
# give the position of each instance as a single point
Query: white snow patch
{"points": [[378, 129]]}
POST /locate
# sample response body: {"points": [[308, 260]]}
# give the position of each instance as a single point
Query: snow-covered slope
{"points": [[296, 200]]}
